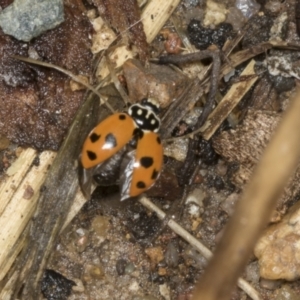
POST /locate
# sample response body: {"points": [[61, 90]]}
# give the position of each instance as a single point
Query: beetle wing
{"points": [[106, 139], [104, 174], [85, 179]]}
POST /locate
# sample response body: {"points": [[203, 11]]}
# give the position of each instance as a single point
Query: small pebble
{"points": [[270, 284], [92, 272], [196, 196], [194, 210], [162, 271], [191, 253], [100, 225], [79, 287], [55, 286], [172, 254], [215, 13], [120, 266], [155, 254], [177, 149], [165, 291], [173, 44], [252, 272], [129, 268], [26, 19], [82, 239], [229, 203], [221, 168], [134, 286], [247, 7]]}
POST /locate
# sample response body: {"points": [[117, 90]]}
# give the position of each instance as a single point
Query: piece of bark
{"points": [[245, 145]]}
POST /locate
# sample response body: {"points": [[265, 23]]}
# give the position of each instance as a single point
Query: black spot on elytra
{"points": [[146, 161], [122, 117], [92, 155], [158, 140], [138, 133], [141, 185], [154, 174], [94, 137], [111, 141]]}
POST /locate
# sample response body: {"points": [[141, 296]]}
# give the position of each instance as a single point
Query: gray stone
{"points": [[26, 19]]}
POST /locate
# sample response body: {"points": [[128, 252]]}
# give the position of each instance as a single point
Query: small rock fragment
{"points": [[159, 82], [215, 13], [248, 8], [279, 247], [25, 20], [252, 273], [165, 291], [229, 203], [270, 284], [203, 37], [82, 239], [100, 225], [177, 149], [129, 269], [92, 272], [103, 37], [56, 286], [173, 44], [120, 266], [134, 286], [155, 254], [171, 254]]}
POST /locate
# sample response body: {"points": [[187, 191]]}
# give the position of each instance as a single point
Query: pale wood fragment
{"points": [[14, 175], [229, 101], [19, 210]]}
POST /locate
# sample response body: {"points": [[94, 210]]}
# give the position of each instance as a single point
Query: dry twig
{"points": [[254, 209]]}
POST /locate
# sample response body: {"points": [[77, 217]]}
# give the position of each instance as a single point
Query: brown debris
{"points": [[4, 142], [166, 186], [37, 105], [125, 18], [173, 43], [246, 143], [28, 192], [155, 254], [245, 146], [159, 82]]}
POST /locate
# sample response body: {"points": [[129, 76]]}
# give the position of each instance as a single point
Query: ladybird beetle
{"points": [[107, 143]]}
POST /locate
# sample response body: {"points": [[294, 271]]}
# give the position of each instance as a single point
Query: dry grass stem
{"points": [[19, 210], [15, 175], [254, 209], [66, 72]]}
